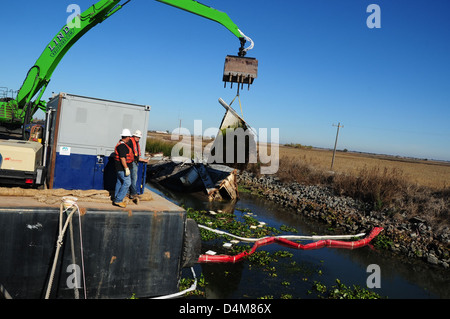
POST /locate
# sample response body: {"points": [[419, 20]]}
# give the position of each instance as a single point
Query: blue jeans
{"points": [[122, 185], [133, 173]]}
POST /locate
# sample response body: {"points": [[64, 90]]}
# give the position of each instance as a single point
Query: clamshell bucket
{"points": [[240, 70]]}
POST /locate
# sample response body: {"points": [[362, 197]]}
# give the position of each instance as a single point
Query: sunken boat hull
{"points": [[217, 182]]}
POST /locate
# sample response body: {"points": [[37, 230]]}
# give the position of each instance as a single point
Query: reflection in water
{"points": [[223, 279], [400, 277]]}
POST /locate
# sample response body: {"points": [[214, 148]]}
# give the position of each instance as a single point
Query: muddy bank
{"points": [[412, 237]]}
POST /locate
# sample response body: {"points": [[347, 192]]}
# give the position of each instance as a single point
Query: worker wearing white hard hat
{"points": [[137, 134], [124, 158], [134, 144], [126, 133]]}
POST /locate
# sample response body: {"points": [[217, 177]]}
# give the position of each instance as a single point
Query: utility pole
{"points": [[335, 143], [179, 127]]}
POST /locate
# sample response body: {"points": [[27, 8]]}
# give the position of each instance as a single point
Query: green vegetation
{"points": [[341, 291], [185, 283], [227, 222], [299, 146], [242, 189], [382, 242], [157, 146], [267, 262]]}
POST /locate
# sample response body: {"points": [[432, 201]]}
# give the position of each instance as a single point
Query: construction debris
{"points": [[219, 182]]}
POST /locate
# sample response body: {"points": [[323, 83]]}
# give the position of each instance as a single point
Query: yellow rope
{"points": [[240, 105], [242, 113]]}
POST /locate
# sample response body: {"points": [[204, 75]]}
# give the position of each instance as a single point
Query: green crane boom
{"points": [[16, 113]]}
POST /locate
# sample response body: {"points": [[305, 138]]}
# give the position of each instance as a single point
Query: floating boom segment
{"points": [[285, 242]]}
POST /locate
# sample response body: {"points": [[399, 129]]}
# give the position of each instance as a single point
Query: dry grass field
{"points": [[419, 172]]}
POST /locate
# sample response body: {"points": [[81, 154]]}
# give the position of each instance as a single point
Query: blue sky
{"points": [[319, 64]]}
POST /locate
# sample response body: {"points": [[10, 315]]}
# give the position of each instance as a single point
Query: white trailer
{"points": [[82, 134]]}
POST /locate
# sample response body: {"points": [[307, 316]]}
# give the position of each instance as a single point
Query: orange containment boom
{"points": [[240, 70], [285, 242]]}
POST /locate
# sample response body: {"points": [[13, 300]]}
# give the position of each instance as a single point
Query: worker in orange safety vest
{"points": [[134, 145], [123, 160]]}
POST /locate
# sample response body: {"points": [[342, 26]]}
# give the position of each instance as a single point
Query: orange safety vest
{"points": [[129, 158], [136, 149]]}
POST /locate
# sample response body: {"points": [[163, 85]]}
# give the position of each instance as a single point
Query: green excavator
{"points": [[16, 114]]}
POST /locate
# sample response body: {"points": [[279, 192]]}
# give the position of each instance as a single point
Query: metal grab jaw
{"points": [[240, 70]]}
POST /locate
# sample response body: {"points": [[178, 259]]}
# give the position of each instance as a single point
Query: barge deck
{"points": [[110, 252]]}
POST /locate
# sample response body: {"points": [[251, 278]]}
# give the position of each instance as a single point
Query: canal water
{"points": [[298, 275]]}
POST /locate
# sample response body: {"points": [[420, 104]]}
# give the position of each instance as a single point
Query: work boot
{"points": [[121, 204], [135, 198]]}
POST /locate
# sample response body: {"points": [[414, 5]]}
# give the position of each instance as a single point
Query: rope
{"points": [[67, 203], [72, 246], [181, 293], [82, 255], [5, 292], [242, 113], [239, 99], [70, 203], [293, 237]]}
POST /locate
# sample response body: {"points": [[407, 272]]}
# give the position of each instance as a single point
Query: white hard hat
{"points": [[125, 132], [138, 134]]}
